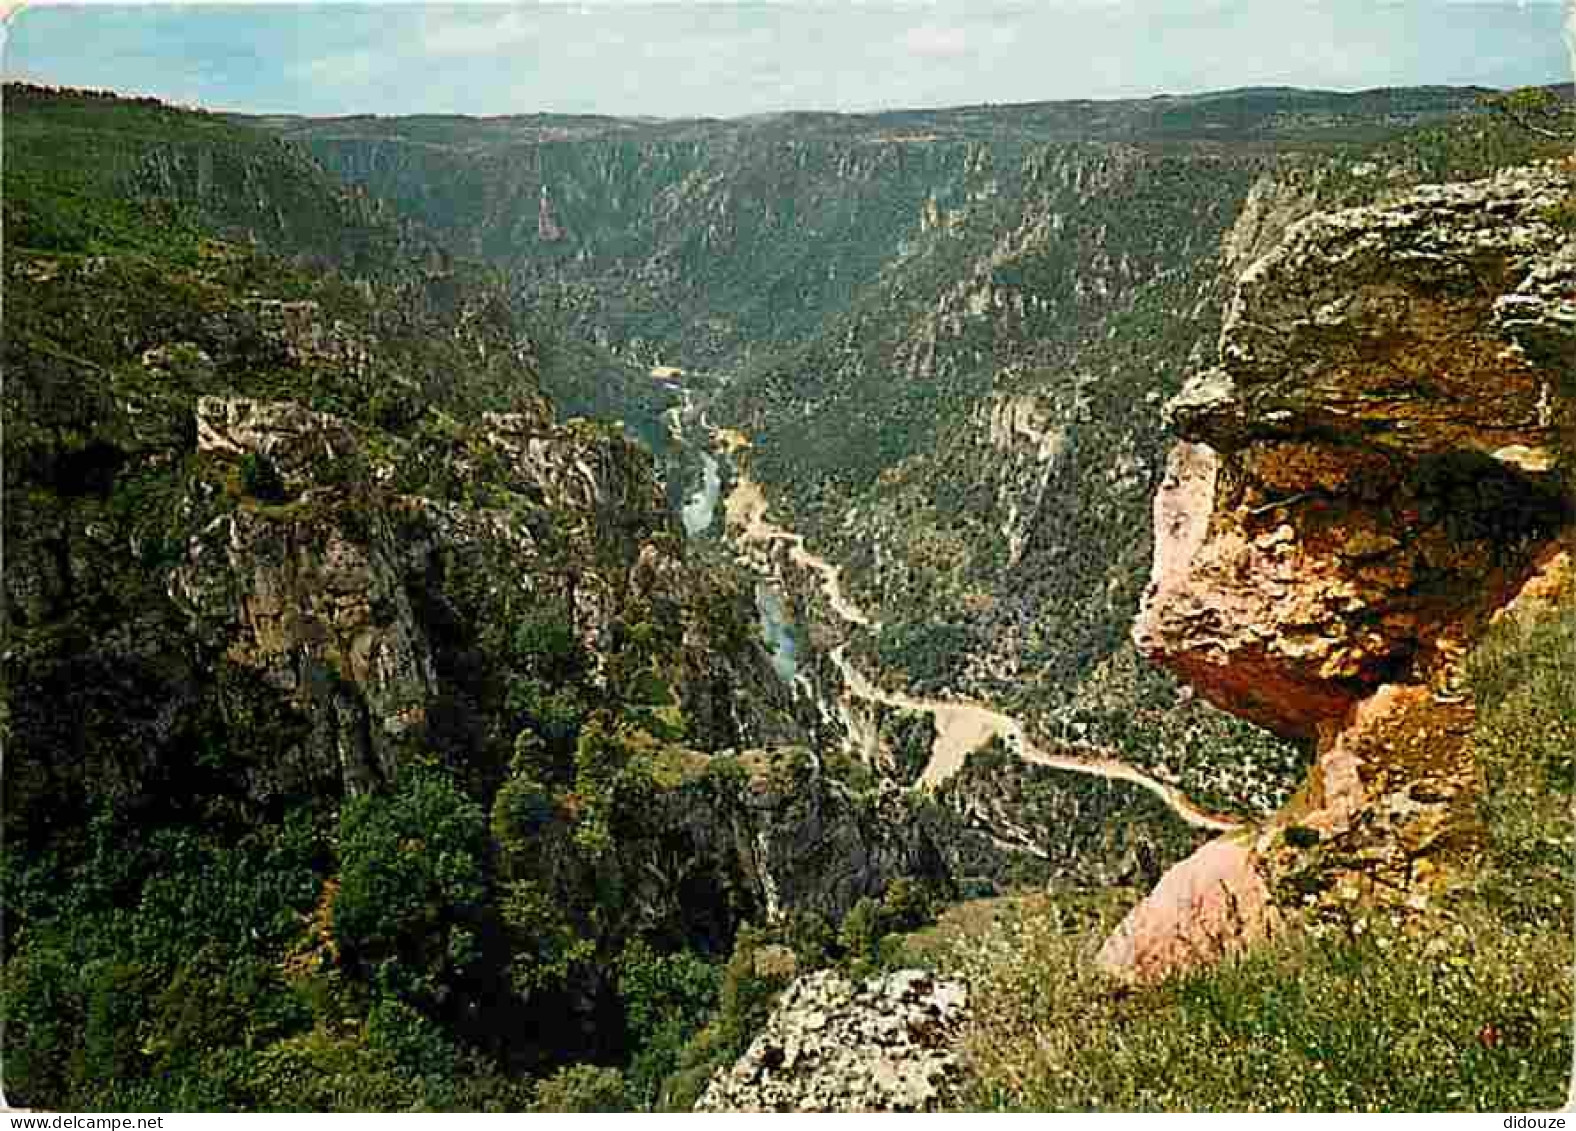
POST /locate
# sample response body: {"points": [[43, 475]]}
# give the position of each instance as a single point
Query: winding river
{"points": [[746, 514]]}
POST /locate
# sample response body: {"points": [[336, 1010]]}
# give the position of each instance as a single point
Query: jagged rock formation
{"points": [[201, 564], [793, 838], [1378, 463], [1365, 474], [834, 1045]]}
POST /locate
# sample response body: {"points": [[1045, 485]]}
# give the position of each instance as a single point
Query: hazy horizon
{"points": [[676, 59]]}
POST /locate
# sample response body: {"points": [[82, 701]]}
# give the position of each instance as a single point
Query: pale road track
{"points": [[961, 726], [974, 719], [746, 509]]}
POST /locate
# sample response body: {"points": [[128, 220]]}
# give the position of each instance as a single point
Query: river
{"points": [[777, 630], [700, 507]]}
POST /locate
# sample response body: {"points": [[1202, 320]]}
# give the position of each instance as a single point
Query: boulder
{"points": [[833, 1045], [1212, 905]]}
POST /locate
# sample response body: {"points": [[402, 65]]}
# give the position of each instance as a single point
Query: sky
{"points": [[683, 58]]}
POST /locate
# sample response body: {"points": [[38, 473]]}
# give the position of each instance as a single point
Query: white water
{"points": [[775, 631], [700, 508]]}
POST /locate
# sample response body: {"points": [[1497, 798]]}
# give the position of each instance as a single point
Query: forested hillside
{"points": [[371, 739]]}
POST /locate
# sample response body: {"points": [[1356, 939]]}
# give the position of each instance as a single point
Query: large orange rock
{"points": [[1211, 905], [1371, 467], [1256, 617], [1377, 463]]}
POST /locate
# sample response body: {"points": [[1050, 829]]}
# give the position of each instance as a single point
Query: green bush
{"points": [[744, 1002], [320, 1071], [548, 948], [411, 883], [582, 1088], [666, 999], [905, 905], [414, 1042], [145, 962], [860, 932]]}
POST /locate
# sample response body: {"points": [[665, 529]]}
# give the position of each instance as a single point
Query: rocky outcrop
{"points": [[1032, 443], [1386, 325], [318, 613], [833, 1045], [309, 338], [306, 601], [1212, 905], [1377, 464], [296, 441], [1275, 202], [799, 840], [1388, 797], [323, 589], [1365, 476]]}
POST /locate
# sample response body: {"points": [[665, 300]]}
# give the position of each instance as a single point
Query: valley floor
{"points": [[962, 727]]}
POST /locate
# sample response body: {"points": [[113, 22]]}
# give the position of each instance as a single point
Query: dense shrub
{"points": [[412, 884], [582, 1088]]}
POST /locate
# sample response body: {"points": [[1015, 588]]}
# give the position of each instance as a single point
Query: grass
{"points": [[1477, 1018], [1471, 1011], [1523, 677]]}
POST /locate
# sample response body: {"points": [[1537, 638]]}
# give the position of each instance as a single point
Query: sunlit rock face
{"points": [[1391, 326], [832, 1045], [1212, 905], [1373, 462], [1376, 464]]}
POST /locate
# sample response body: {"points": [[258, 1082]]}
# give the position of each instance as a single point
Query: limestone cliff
{"points": [[1380, 460], [297, 599]]}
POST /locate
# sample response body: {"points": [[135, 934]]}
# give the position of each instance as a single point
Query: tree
{"points": [[1537, 110], [412, 882]]}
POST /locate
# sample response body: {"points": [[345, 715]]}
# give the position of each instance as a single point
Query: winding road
{"points": [[962, 726], [746, 512]]}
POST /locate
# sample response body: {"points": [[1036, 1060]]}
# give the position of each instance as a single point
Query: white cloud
{"points": [[931, 42], [449, 37]]}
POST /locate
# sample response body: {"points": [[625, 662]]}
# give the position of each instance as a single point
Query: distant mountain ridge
{"points": [[1093, 119]]}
